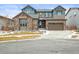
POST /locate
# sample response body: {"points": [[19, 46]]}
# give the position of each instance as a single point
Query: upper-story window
{"points": [[28, 11], [46, 14], [42, 14], [59, 13], [50, 14]]}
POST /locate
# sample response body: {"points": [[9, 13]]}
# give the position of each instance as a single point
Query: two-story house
{"points": [[72, 19], [34, 19]]}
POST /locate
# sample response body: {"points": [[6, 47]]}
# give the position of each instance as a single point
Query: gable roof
{"points": [[70, 9], [59, 8], [20, 14], [34, 15], [30, 15], [29, 7], [5, 17]]}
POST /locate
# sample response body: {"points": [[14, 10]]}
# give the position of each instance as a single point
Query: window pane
{"points": [[59, 13], [23, 22]]}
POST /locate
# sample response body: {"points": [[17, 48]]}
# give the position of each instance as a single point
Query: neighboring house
{"points": [[32, 19], [4, 23], [11, 25], [72, 19]]}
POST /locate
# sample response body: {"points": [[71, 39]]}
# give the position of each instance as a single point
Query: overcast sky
{"points": [[11, 10]]}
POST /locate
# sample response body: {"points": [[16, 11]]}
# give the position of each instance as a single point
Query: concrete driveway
{"points": [[57, 34]]}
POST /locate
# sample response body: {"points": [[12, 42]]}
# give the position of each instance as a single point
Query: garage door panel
{"points": [[55, 26]]}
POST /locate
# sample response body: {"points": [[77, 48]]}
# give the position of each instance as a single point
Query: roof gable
{"points": [[21, 13], [70, 10], [4, 17], [28, 7], [59, 8]]}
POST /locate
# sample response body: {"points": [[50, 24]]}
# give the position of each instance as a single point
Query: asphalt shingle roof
{"points": [[33, 15], [44, 10]]}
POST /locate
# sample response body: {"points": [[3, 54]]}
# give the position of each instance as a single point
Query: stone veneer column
{"points": [[46, 24]]}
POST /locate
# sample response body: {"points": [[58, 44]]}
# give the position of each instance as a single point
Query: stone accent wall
{"points": [[23, 16], [46, 24], [35, 24]]}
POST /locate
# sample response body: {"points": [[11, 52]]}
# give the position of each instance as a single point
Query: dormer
{"points": [[59, 10], [29, 10]]}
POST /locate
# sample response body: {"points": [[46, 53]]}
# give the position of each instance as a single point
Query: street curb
{"points": [[19, 40]]}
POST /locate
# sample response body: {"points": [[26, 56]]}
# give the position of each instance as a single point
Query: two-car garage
{"points": [[55, 26]]}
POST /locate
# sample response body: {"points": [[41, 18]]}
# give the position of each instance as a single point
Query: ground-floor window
{"points": [[23, 22]]}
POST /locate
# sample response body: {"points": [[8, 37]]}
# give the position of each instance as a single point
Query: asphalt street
{"points": [[42, 46]]}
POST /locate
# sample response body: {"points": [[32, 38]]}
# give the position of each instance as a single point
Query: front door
{"points": [[23, 24], [42, 24]]}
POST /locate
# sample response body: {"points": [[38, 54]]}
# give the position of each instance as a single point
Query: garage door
{"points": [[56, 26]]}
